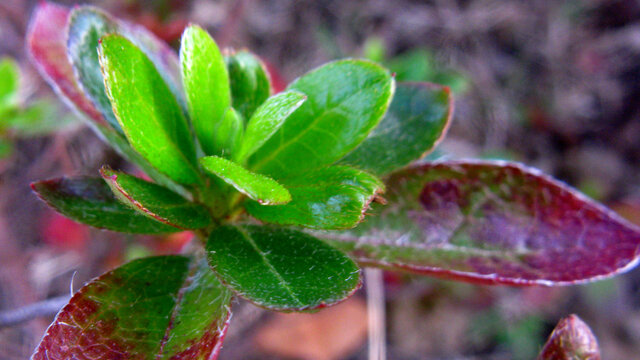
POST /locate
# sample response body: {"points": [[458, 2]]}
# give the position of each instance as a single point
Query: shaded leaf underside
{"points": [[491, 222]]}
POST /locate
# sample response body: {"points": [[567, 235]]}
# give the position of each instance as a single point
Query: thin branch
{"points": [[40, 309], [376, 313]]}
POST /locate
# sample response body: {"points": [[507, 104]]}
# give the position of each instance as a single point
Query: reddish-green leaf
{"points": [[572, 339], [90, 201], [47, 44], [156, 202], [281, 269], [492, 222], [334, 197], [166, 307], [416, 121]]}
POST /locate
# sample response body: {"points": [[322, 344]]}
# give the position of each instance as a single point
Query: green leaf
{"points": [[90, 201], [41, 117], [86, 26], [156, 202], [267, 120], [329, 198], [229, 133], [9, 82], [249, 79], [6, 149], [165, 307], [147, 111], [206, 83], [260, 188], [281, 269], [416, 121], [345, 100]]}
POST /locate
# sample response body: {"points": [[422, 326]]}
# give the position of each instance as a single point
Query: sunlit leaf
{"points": [[267, 120], [166, 307], [156, 202], [329, 198], [206, 84], [281, 269], [491, 222], [147, 110], [345, 100], [258, 187], [90, 201]]}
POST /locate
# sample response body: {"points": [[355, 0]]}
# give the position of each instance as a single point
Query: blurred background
{"points": [[554, 84]]}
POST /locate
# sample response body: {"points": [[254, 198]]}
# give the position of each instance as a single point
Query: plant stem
{"points": [[43, 308], [376, 314]]}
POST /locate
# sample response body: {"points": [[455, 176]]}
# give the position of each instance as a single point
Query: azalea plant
{"points": [[288, 193]]}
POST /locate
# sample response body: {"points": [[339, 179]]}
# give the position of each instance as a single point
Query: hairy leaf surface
{"points": [[250, 83], [165, 307], [147, 110], [281, 269], [267, 120], [492, 222], [345, 100], [260, 188], [335, 197], [206, 84], [90, 201], [416, 121], [156, 202]]}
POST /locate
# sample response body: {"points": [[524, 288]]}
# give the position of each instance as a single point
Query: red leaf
{"points": [[64, 233], [47, 45], [492, 222], [572, 339]]}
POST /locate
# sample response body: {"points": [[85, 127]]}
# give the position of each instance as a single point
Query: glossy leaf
{"points": [[9, 81], [250, 83], [572, 339], [229, 133], [345, 100], [47, 45], [90, 201], [206, 83], [492, 222], [147, 111], [155, 201], [258, 187], [281, 269], [267, 120], [165, 307], [329, 198], [416, 121], [86, 26]]}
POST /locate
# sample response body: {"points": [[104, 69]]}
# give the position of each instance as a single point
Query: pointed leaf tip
{"points": [[571, 339]]}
